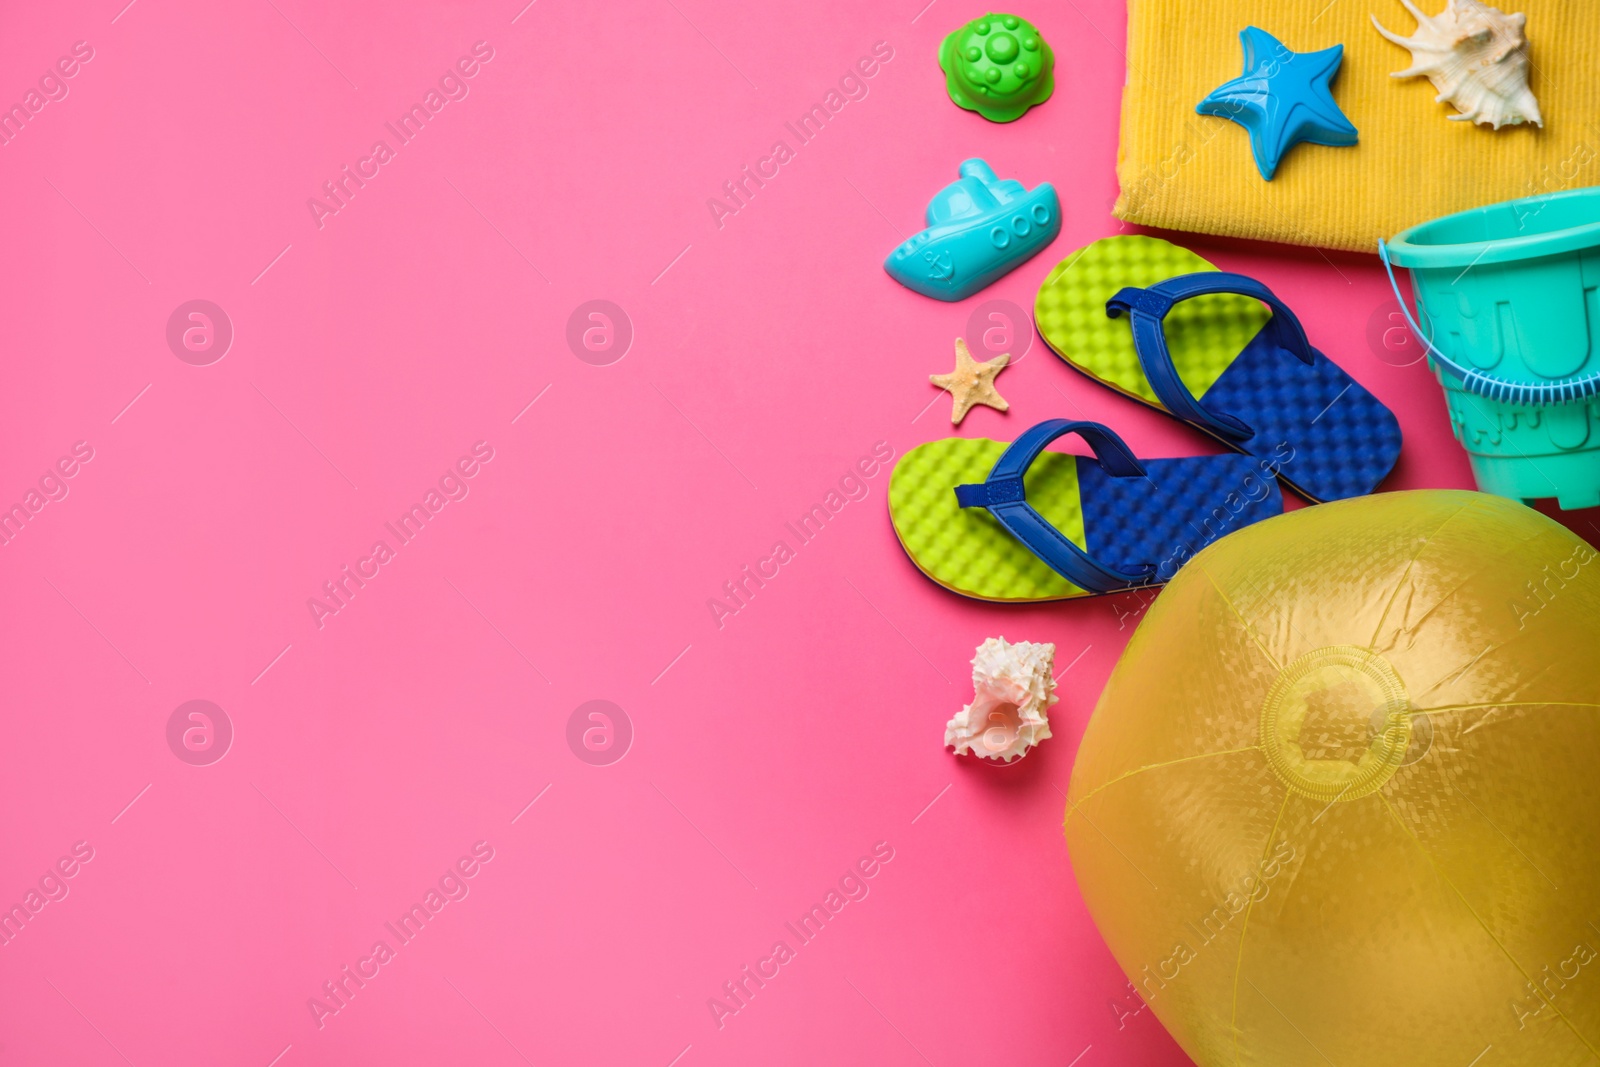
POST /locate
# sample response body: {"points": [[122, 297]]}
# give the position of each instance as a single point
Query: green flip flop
{"points": [[1015, 523], [1204, 334], [1161, 325]]}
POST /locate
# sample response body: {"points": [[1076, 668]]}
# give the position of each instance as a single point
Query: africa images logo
{"points": [[52, 487], [52, 887], [454, 485], [852, 85], [453, 85], [453, 885], [853, 887], [52, 90], [853, 485]]}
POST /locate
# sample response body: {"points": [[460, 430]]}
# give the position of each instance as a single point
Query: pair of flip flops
{"points": [[1158, 323]]}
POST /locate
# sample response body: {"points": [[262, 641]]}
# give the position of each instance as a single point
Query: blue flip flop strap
{"points": [[1003, 495], [1147, 311]]}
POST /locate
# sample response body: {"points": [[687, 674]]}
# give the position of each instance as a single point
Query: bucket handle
{"points": [[1480, 384]]}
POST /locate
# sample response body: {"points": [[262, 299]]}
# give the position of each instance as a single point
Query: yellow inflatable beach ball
{"points": [[1340, 801]]}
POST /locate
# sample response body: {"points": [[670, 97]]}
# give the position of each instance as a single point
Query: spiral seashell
{"points": [[1477, 57], [1012, 691]]}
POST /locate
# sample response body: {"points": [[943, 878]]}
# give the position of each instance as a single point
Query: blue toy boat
{"points": [[979, 228]]}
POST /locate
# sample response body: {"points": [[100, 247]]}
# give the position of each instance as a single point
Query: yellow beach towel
{"points": [[1184, 171]]}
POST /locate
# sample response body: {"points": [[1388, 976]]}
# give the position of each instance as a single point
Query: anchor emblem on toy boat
{"points": [[980, 227]]}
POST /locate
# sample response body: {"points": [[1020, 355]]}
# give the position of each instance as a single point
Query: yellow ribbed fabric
{"points": [[1184, 171]]}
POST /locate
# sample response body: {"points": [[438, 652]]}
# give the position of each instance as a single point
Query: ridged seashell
{"points": [[1011, 692], [1477, 57]]}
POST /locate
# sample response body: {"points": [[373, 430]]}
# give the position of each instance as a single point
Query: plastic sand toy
{"points": [[998, 66], [1506, 295], [1282, 98], [979, 229]]}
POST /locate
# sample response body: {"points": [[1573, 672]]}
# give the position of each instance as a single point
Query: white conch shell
{"points": [[1011, 691], [1477, 57]]}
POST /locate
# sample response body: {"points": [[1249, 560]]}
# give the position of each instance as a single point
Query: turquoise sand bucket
{"points": [[1509, 294]]}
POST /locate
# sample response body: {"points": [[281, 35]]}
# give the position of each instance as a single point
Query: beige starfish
{"points": [[972, 382]]}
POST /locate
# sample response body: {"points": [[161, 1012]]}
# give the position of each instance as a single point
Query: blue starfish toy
{"points": [[1282, 98]]}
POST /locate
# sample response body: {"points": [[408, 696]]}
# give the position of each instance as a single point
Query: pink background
{"points": [[769, 355]]}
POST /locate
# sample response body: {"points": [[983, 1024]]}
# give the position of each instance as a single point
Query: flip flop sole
{"points": [[1327, 436], [1183, 505], [1205, 335]]}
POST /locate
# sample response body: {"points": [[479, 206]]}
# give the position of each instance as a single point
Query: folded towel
{"points": [[1184, 171]]}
